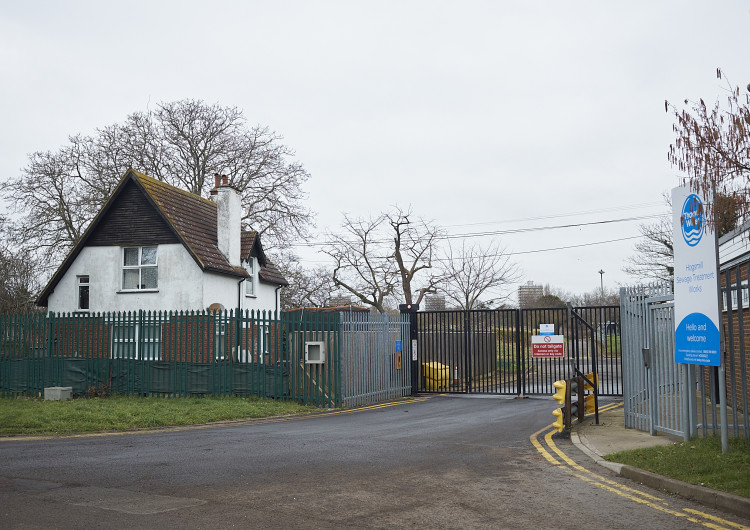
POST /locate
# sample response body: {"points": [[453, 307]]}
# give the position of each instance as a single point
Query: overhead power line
{"points": [[467, 235], [573, 246], [508, 254], [557, 216], [555, 227]]}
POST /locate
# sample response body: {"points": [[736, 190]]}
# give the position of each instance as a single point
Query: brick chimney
{"points": [[228, 219]]}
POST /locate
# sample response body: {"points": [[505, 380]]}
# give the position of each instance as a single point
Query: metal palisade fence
{"points": [[662, 395], [292, 355], [375, 357]]}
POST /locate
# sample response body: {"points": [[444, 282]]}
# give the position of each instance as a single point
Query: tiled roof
{"points": [[194, 220], [271, 274]]}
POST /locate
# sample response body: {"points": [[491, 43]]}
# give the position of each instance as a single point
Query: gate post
{"points": [[520, 357], [411, 310], [468, 339]]}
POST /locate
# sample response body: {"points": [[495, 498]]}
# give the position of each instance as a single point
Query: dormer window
{"points": [[139, 268], [250, 282]]}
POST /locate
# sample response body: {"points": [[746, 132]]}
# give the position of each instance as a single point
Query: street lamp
{"points": [[601, 279]]}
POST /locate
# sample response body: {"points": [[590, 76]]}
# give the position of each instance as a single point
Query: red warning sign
{"points": [[547, 346]]}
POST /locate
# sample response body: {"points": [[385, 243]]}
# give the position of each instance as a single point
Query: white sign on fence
{"points": [[696, 309]]}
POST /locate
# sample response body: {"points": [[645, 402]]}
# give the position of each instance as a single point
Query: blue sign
{"points": [[398, 345], [696, 340], [696, 303]]}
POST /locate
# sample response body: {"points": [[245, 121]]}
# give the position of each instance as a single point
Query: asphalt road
{"points": [[442, 462]]}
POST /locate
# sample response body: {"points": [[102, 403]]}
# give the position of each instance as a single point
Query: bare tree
{"points": [[57, 205], [654, 257], [308, 287], [597, 297], [472, 271], [713, 146], [414, 243], [385, 258], [19, 281], [182, 143], [361, 266]]}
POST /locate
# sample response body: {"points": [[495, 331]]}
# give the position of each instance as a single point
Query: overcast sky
{"points": [[483, 116]]}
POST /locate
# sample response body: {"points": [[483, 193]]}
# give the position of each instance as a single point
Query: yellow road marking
{"points": [[624, 491], [571, 463], [376, 406], [717, 519], [541, 449]]}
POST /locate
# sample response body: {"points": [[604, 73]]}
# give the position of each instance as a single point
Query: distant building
{"points": [[340, 301], [528, 294], [434, 303]]}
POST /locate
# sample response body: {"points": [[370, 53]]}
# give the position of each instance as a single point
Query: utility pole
{"points": [[601, 279]]}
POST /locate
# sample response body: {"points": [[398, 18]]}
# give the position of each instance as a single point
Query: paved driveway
{"points": [[442, 462]]}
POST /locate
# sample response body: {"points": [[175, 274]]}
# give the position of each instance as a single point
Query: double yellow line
{"points": [[640, 497]]}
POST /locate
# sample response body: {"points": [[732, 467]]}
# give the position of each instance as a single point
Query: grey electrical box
{"points": [[315, 352], [646, 357]]}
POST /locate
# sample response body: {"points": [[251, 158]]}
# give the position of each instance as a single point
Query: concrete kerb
{"points": [[591, 453], [720, 500]]}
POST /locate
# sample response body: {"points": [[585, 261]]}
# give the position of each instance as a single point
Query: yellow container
{"points": [[432, 384], [438, 373]]}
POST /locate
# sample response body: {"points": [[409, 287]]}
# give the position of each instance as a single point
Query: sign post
{"points": [[696, 288]]}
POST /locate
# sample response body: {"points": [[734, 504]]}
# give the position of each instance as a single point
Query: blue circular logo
{"points": [[692, 220]]}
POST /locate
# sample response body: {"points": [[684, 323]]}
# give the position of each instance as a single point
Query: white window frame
{"points": [[250, 282], [261, 339], [139, 267], [733, 289], [220, 341], [131, 335], [80, 284]]}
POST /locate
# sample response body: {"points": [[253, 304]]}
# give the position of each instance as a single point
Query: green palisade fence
{"points": [[178, 353]]}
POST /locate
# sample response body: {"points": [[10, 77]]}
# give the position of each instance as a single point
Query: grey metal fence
{"points": [[661, 395], [652, 381], [375, 358]]}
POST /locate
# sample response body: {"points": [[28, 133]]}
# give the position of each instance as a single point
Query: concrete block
{"points": [[58, 393]]}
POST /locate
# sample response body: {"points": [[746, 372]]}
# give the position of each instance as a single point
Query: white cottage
{"points": [[156, 247]]}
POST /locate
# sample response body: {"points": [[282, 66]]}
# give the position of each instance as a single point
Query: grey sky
{"points": [[484, 116]]}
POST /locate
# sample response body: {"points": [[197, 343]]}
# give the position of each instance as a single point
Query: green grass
{"points": [[23, 416], [699, 461]]}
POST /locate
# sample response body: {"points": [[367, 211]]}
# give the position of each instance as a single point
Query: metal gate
{"points": [[489, 351], [665, 396]]}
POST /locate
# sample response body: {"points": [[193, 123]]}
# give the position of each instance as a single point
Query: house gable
{"points": [[131, 220]]}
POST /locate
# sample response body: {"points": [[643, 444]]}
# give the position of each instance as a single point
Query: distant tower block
{"points": [[528, 294], [434, 303]]}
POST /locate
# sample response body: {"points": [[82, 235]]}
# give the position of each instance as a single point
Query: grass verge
{"points": [[699, 461], [25, 417]]}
